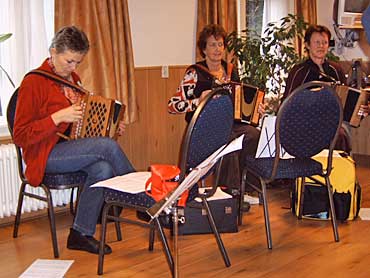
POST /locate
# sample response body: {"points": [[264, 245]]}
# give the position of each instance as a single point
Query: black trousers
{"points": [[232, 166]]}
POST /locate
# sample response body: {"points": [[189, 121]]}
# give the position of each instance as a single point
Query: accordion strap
{"points": [[205, 69], [59, 79]]}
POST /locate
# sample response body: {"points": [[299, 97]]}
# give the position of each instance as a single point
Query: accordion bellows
{"points": [[101, 117], [246, 101], [352, 99]]}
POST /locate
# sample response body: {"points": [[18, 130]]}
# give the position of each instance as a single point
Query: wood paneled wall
{"points": [[157, 135]]}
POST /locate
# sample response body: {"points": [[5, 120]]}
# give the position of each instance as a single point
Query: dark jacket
{"points": [[309, 71]]}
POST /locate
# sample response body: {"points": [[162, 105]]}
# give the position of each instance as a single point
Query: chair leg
{"points": [[103, 238], [241, 198], [51, 216], [266, 214], [164, 244], [151, 236], [332, 210], [72, 210], [19, 210], [301, 202], [216, 233], [117, 224]]}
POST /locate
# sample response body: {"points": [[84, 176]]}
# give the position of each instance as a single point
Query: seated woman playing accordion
{"points": [[46, 108], [317, 67], [198, 81]]}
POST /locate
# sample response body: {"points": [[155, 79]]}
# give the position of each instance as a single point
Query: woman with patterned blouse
{"points": [[198, 81]]}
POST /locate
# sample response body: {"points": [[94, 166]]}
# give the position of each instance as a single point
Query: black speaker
{"points": [[366, 22]]}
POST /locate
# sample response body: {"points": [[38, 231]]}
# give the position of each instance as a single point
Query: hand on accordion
{"points": [[364, 110], [70, 114], [121, 128], [261, 108]]}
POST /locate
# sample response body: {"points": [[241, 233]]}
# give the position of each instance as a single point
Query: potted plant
{"points": [[4, 37], [266, 59]]}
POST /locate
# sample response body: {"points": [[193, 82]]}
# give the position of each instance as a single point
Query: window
{"points": [[255, 14], [32, 26]]}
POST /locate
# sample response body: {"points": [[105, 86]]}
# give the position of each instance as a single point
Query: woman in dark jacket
{"points": [[318, 68]]}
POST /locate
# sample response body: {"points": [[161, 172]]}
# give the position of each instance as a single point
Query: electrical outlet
{"points": [[165, 72]]}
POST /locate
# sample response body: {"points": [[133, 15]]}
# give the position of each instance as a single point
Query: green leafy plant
{"points": [[4, 37], [265, 60]]}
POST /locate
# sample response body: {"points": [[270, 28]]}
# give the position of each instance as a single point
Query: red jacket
{"points": [[34, 130]]}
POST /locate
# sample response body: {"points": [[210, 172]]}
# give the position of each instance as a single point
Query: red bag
{"points": [[161, 182]]}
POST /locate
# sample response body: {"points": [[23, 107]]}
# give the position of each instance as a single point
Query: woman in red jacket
{"points": [[45, 108]]}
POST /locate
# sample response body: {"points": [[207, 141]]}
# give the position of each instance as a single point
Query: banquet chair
{"points": [[209, 129], [307, 122], [51, 181]]}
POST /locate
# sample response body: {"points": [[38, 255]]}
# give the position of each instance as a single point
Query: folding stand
{"points": [[168, 205]]}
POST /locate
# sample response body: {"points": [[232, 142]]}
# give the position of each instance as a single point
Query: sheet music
{"points": [[47, 269], [131, 183], [266, 144], [235, 145], [219, 195]]}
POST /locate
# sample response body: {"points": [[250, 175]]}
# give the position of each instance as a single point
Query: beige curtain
{"points": [[308, 10], [222, 12], [108, 68]]}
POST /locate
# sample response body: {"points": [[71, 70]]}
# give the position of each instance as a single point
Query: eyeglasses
{"points": [[215, 44]]}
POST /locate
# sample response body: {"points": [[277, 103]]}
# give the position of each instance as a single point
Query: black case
{"points": [[224, 212]]}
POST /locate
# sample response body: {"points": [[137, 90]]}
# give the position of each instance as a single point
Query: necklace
{"points": [[219, 74]]}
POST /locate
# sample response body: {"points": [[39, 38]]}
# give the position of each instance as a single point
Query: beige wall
{"points": [[156, 137], [163, 31]]}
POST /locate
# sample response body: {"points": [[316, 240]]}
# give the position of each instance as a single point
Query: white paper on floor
{"points": [[364, 213], [251, 199], [47, 269]]}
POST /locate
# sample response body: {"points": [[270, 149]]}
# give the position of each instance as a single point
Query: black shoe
{"points": [[77, 241]]}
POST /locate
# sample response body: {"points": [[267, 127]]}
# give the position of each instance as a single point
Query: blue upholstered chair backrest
{"points": [[208, 130], [10, 113], [308, 120]]}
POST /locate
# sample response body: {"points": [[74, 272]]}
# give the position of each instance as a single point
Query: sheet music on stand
{"points": [[266, 144], [194, 176]]}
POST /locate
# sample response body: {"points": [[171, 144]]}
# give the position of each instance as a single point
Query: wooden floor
{"points": [[300, 248]]}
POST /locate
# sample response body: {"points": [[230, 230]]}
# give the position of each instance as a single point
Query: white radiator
{"points": [[10, 184]]}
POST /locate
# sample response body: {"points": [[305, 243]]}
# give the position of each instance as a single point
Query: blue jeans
{"points": [[101, 158]]}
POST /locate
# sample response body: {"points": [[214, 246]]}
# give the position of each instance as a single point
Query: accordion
{"points": [[246, 101], [352, 99], [101, 117]]}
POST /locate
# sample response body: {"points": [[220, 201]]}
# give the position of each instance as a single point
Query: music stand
{"points": [[168, 204], [266, 143]]}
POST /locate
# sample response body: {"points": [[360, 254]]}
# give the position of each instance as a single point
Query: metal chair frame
{"points": [[185, 167], [261, 188]]}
